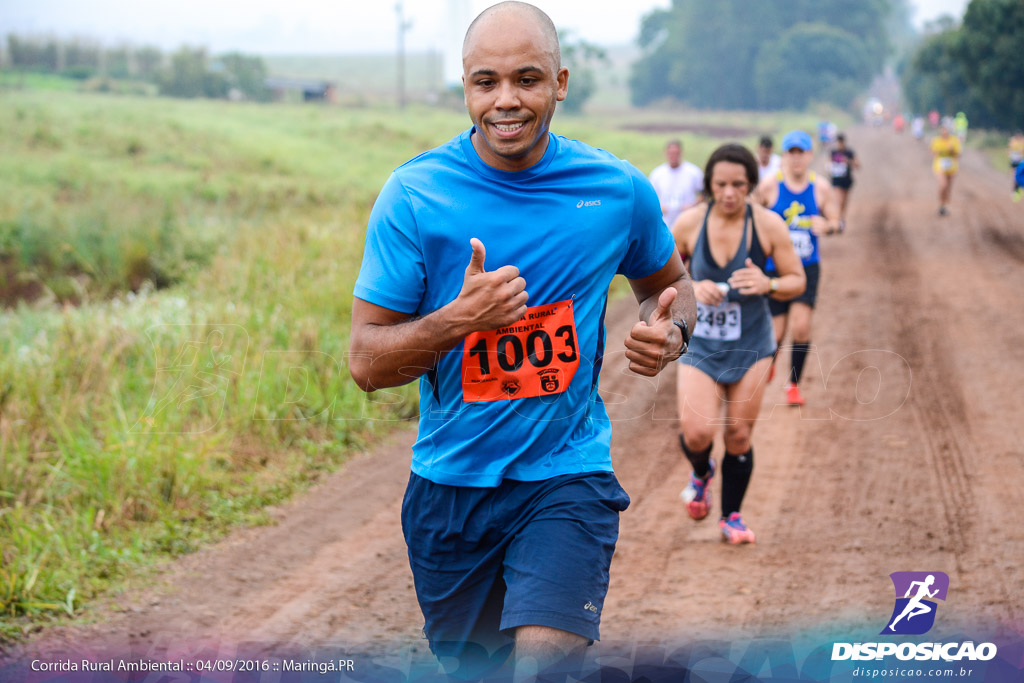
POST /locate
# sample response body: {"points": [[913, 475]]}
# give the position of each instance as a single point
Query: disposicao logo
{"points": [[912, 615], [914, 612]]}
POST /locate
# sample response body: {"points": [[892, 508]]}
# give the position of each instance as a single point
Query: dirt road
{"points": [[907, 457]]}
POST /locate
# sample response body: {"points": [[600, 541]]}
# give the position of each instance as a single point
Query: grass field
{"points": [[182, 362]]}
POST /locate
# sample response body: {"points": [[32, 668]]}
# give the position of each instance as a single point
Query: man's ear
{"points": [[563, 83]]}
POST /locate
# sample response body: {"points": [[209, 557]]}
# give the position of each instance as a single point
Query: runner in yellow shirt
{"points": [[946, 150]]}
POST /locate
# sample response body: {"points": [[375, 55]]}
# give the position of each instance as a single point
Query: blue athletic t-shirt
{"points": [[569, 223]]}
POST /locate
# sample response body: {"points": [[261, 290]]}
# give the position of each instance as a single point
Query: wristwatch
{"points": [[773, 285], [685, 331]]}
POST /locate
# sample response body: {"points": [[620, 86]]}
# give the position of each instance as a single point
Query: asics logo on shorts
{"points": [[583, 203], [590, 607]]}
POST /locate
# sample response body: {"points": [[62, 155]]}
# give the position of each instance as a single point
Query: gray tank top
{"points": [[730, 337]]}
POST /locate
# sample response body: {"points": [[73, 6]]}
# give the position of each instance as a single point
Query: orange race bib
{"points": [[538, 355]]}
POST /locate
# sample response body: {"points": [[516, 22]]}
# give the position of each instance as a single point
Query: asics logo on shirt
{"points": [[583, 203]]}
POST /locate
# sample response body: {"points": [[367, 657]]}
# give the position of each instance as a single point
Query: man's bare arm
{"points": [[388, 348]]}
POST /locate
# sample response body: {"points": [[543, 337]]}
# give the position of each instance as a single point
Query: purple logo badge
{"points": [[916, 593]]}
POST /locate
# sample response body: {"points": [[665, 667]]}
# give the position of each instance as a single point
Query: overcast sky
{"points": [[320, 26]]}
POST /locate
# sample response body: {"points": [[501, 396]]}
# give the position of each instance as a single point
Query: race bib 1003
{"points": [[538, 355], [723, 322]]}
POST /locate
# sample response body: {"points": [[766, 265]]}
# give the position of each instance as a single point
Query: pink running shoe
{"points": [[697, 494], [793, 396], [734, 530]]}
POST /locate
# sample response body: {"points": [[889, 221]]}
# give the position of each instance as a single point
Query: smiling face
{"points": [[730, 186], [512, 82]]}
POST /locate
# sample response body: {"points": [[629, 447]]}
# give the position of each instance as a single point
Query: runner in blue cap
{"points": [[807, 204]]}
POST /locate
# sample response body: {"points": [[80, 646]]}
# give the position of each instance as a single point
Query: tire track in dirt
{"points": [[971, 261], [1008, 243], [937, 404]]}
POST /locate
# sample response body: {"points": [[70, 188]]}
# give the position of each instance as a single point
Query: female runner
{"points": [[728, 240]]}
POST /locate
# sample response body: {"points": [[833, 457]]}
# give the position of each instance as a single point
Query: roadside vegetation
{"points": [[178, 278], [972, 66]]}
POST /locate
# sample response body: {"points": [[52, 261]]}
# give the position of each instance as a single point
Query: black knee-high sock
{"points": [[798, 359], [736, 470], [701, 460]]}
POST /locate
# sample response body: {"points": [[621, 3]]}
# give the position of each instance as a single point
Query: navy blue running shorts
{"points": [[487, 560], [809, 297]]}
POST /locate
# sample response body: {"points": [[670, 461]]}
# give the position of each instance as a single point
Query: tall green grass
{"points": [[143, 421], [100, 194], [183, 363]]}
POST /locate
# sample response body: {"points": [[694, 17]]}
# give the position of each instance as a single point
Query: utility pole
{"points": [[403, 26]]}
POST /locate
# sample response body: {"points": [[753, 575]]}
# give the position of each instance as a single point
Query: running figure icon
{"points": [[916, 606]]}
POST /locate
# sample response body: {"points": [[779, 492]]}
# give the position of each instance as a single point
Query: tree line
{"points": [[974, 67], [768, 54], [188, 72]]}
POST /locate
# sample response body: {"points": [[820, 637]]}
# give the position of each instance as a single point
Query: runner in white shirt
{"points": [[678, 183], [768, 164], [917, 127]]}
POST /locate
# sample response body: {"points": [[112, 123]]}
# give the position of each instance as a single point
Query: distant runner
{"points": [[946, 151], [917, 127], [807, 205], [768, 163], [728, 240], [823, 136], [677, 182], [826, 133], [1018, 182], [1015, 150], [960, 124], [843, 162]]}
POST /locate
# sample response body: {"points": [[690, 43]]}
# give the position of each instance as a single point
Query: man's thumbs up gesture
{"points": [[654, 344], [490, 300]]}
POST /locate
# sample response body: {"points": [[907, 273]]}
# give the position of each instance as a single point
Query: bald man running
{"points": [[485, 274]]}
